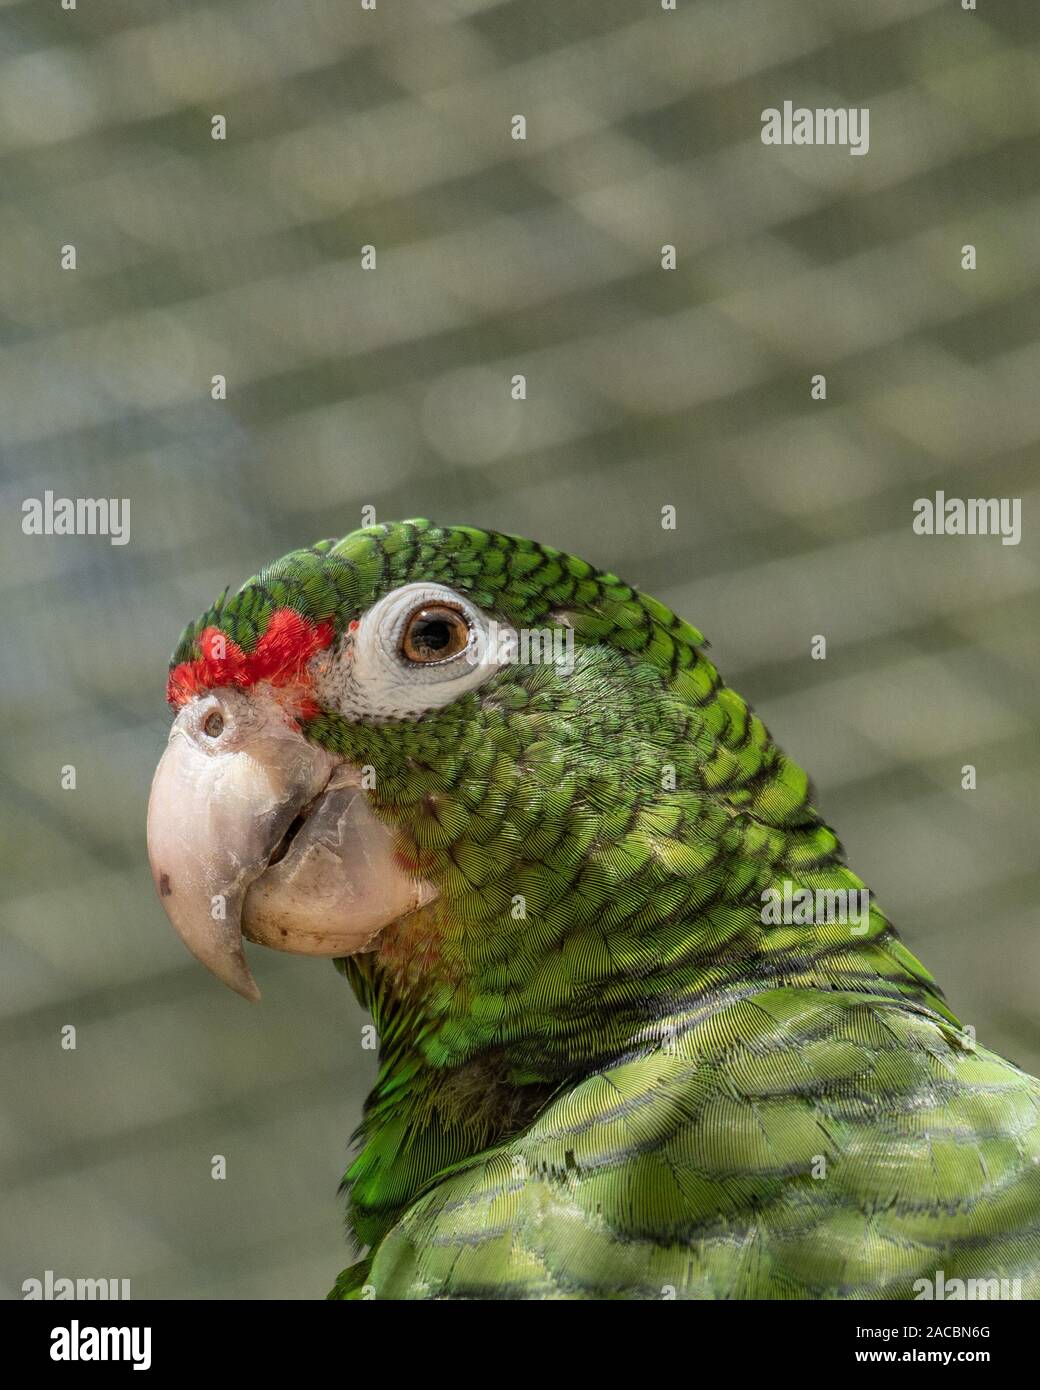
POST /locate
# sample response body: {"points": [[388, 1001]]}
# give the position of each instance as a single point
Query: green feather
{"points": [[632, 1087]]}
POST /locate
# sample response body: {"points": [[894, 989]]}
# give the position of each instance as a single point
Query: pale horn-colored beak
{"points": [[254, 830]]}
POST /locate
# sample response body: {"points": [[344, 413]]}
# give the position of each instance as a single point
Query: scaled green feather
{"points": [[634, 1088]]}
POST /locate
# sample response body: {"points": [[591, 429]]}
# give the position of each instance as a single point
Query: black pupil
{"points": [[433, 634]]}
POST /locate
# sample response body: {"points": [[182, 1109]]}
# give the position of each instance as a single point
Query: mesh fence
{"points": [[390, 387]]}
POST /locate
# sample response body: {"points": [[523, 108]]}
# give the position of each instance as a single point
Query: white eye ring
{"points": [[370, 678]]}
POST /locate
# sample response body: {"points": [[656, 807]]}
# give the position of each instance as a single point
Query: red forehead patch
{"points": [[279, 658]]}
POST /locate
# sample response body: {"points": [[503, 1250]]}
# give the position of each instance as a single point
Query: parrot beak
{"points": [[254, 831]]}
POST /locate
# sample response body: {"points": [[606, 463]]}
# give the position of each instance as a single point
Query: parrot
{"points": [[630, 1044]]}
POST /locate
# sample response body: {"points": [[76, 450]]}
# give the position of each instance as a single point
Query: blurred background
{"points": [[391, 388]]}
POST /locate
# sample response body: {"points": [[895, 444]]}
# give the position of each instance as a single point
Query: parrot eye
{"points": [[214, 725], [434, 633], [417, 648]]}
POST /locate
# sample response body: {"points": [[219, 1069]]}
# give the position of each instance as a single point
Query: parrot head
{"points": [[512, 798], [500, 776]]}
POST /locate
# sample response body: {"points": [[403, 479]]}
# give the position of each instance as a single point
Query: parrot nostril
{"points": [[214, 725]]}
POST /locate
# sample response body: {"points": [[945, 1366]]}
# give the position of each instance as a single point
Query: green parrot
{"points": [[642, 1033]]}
